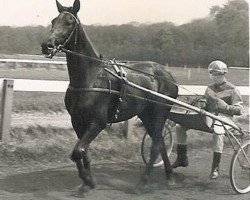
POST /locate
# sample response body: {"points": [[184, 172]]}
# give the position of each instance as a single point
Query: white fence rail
{"points": [[10, 60], [28, 85], [8, 86]]}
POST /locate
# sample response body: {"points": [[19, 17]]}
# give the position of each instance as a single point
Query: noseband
{"points": [[58, 48]]}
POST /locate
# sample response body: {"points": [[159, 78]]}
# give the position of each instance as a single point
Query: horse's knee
{"points": [[78, 154]]}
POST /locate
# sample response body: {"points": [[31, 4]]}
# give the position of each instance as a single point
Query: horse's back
{"points": [[154, 76]]}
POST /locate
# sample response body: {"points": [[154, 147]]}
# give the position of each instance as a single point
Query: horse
{"points": [[91, 110]]}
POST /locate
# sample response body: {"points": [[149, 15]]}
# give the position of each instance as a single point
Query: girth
{"points": [[122, 88], [122, 93]]}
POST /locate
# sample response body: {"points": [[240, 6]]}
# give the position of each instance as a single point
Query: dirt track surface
{"points": [[115, 178], [61, 120]]}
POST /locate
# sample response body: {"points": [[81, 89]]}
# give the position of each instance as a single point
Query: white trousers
{"points": [[218, 135]]}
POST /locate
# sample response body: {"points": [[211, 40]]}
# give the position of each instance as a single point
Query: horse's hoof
{"points": [[90, 182], [171, 181]]}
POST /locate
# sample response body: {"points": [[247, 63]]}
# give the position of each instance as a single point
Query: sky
{"points": [[106, 12]]}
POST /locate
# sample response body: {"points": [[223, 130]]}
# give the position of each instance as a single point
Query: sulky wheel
{"points": [[168, 139], [240, 169]]}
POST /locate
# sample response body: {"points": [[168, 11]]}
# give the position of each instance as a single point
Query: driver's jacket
{"points": [[228, 93]]}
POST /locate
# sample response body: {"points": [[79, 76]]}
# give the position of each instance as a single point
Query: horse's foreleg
{"points": [[83, 165], [80, 156]]}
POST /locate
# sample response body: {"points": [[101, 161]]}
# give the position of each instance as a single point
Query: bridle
{"points": [[60, 47]]}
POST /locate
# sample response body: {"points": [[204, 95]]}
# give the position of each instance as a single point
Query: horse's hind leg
{"points": [[163, 152], [154, 125], [154, 153], [154, 130], [166, 161]]}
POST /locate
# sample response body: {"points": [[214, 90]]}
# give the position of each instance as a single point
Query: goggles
{"points": [[216, 73]]}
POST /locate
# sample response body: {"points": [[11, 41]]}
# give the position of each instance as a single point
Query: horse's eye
{"points": [[69, 22]]}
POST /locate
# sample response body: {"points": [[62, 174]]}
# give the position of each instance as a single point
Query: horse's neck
{"points": [[85, 45], [82, 71]]}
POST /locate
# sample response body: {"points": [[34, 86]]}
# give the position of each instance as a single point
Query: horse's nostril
{"points": [[46, 48], [43, 45], [50, 46]]}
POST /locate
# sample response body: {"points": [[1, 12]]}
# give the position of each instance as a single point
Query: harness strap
{"points": [[114, 64], [115, 92], [77, 21], [120, 72], [102, 90], [122, 94]]}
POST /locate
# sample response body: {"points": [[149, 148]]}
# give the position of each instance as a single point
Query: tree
{"points": [[233, 28], [223, 35]]}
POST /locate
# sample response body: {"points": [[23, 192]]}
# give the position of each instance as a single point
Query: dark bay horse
{"points": [[90, 110]]}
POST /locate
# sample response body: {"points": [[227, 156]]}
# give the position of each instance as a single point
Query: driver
{"points": [[223, 99]]}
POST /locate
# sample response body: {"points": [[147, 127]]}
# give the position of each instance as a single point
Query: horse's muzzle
{"points": [[47, 48]]}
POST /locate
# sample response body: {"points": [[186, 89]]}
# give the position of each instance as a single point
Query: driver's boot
{"points": [[215, 166], [182, 159]]}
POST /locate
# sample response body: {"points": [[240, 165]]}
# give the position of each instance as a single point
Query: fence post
{"points": [[189, 74], [6, 108], [199, 68]]}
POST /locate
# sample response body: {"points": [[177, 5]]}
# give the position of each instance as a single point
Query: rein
{"points": [[108, 62], [61, 48]]}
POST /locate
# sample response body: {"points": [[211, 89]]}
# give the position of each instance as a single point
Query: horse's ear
{"points": [[60, 8], [76, 6]]}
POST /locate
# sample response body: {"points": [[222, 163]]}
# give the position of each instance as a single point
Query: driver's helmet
{"points": [[217, 67]]}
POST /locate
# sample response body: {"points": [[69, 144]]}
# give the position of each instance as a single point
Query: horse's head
{"points": [[64, 28]]}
